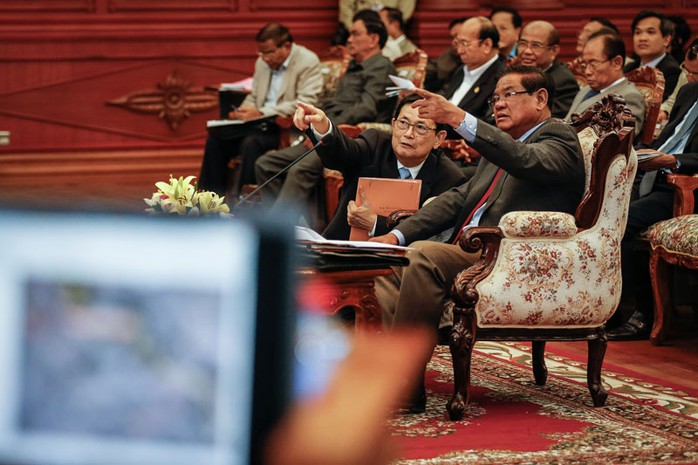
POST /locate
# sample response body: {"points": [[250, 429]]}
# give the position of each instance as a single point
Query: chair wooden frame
{"points": [[650, 82], [614, 125], [661, 258]]}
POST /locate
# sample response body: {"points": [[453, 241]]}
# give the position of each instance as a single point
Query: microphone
{"points": [[322, 141]]}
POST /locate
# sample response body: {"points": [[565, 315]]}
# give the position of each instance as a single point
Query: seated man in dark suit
{"points": [[412, 152], [360, 96], [472, 85], [652, 33], [284, 73], [530, 161], [679, 144], [539, 46]]}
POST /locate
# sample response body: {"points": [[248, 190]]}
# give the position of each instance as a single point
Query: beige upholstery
{"points": [[672, 242]]}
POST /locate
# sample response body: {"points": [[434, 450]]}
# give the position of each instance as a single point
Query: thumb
{"points": [[364, 199]]}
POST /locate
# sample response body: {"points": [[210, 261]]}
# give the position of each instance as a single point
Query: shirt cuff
{"points": [[468, 127], [317, 134], [372, 232], [399, 235]]}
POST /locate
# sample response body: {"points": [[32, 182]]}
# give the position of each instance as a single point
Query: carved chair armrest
{"points": [[684, 186], [537, 224], [397, 216], [487, 240]]}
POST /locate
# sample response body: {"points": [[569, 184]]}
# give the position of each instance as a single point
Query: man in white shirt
{"points": [[652, 33], [472, 85]]}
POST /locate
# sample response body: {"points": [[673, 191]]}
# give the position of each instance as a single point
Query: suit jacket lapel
{"points": [[264, 86]]}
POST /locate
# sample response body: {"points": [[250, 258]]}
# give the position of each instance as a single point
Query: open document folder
{"points": [[329, 255]]}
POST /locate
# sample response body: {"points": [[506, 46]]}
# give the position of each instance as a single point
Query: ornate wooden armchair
{"points": [[548, 275], [672, 242], [649, 81]]}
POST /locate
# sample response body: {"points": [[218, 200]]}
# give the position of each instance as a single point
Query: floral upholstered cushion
{"points": [[538, 224], [552, 282], [678, 234]]}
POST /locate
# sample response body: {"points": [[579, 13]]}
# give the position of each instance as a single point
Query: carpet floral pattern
{"points": [[511, 420]]}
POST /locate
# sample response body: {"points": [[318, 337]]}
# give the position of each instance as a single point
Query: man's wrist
{"points": [[458, 119]]}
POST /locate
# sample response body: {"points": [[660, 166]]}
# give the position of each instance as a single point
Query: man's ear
{"points": [[541, 99], [440, 137]]}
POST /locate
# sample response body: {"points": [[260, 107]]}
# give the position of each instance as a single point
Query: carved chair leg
{"points": [[461, 343], [659, 275], [540, 371], [597, 350]]}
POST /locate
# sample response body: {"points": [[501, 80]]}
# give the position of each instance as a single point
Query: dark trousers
{"points": [[643, 213], [248, 148]]}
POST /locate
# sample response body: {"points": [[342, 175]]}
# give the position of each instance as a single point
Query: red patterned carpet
{"points": [[510, 420]]}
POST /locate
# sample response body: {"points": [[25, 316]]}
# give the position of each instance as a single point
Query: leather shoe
{"points": [[417, 404], [636, 328]]}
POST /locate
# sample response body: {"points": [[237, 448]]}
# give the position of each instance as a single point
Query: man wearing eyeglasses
{"points": [[285, 72], [602, 61], [470, 87], [530, 161], [360, 96], [538, 46], [411, 152], [652, 33]]}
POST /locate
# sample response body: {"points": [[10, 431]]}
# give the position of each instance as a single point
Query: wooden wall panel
{"points": [[46, 6], [64, 61], [115, 6]]}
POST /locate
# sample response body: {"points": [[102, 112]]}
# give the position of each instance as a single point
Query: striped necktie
{"points": [[404, 173]]}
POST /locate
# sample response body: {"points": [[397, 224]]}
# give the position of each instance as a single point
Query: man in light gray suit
{"points": [[603, 57], [285, 73]]}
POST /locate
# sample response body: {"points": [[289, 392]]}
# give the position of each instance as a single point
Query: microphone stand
{"points": [[279, 173]]}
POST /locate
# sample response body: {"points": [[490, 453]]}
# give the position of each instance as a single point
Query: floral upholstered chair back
{"points": [[555, 269], [333, 65]]}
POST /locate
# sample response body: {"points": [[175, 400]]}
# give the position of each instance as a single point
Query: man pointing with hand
{"points": [[412, 149]]}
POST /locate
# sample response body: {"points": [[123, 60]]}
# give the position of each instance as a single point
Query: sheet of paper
{"points": [[402, 83]]}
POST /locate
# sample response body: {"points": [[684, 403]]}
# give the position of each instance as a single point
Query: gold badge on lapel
{"points": [[476, 90]]}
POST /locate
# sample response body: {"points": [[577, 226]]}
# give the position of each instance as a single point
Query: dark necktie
{"points": [[591, 93], [480, 203]]}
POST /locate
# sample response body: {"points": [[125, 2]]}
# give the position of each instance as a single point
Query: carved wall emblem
{"points": [[173, 101]]}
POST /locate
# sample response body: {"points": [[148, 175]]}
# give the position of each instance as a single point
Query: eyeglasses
{"points": [[688, 72], [591, 65], [507, 96], [465, 43], [419, 128], [266, 53], [535, 46]]}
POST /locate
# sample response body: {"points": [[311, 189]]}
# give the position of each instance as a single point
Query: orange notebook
{"points": [[386, 196]]}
